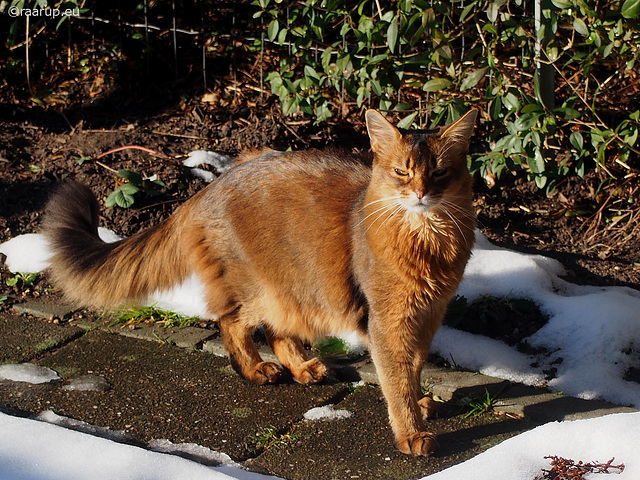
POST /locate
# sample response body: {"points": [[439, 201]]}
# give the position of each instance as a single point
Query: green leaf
{"points": [[495, 108], [541, 181], [310, 72], [323, 112], [465, 13], [567, 113], [562, 4], [272, 30], [631, 138], [388, 17], [594, 39], [577, 141], [331, 347], [630, 8], [511, 102], [153, 187], [437, 84], [282, 36], [129, 189], [492, 11], [491, 28], [532, 107], [385, 105], [580, 27], [377, 59], [473, 78], [527, 121], [392, 35], [538, 165], [407, 121], [119, 198]]}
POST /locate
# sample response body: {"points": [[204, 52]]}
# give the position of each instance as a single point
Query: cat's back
{"points": [[332, 167], [274, 182]]}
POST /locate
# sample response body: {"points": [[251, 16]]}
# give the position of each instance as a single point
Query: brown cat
{"points": [[305, 244]]}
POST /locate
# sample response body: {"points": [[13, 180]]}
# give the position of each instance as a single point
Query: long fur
{"points": [[102, 275]]}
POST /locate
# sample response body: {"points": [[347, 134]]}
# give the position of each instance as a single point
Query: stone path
{"points": [[151, 383]]}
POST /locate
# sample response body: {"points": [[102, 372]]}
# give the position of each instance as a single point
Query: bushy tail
{"points": [[96, 274]]}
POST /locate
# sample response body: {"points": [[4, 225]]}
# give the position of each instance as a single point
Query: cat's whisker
{"points": [[398, 208], [457, 223], [392, 200], [388, 209], [465, 212], [385, 199], [384, 207]]}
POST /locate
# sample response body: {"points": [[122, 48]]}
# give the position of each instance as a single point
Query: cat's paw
{"points": [[266, 373], [418, 444], [428, 407], [311, 372]]}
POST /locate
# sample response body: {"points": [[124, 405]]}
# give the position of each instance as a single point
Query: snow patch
{"points": [[327, 412], [17, 252], [87, 383], [27, 373], [220, 162], [592, 440], [31, 449]]}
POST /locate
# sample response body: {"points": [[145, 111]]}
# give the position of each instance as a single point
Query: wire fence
{"points": [[175, 39]]}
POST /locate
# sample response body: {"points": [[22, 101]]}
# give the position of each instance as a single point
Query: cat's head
{"points": [[420, 168]]}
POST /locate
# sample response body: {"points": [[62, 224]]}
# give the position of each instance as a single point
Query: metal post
{"points": [[544, 78]]}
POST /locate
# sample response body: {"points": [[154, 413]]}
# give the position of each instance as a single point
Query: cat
{"points": [[304, 244]]}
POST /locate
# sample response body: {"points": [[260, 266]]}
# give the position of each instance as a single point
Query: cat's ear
{"points": [[457, 135], [383, 135]]}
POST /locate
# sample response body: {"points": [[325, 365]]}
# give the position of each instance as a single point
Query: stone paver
{"points": [[44, 310], [23, 338]]}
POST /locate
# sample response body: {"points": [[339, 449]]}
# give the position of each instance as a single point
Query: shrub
{"points": [[427, 62]]}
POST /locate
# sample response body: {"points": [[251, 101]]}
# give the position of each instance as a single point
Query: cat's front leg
{"points": [[399, 347]]}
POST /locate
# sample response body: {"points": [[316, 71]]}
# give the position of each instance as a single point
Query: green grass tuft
{"points": [[157, 316]]}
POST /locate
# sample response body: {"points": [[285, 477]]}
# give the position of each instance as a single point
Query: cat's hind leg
{"points": [[291, 354], [243, 354]]}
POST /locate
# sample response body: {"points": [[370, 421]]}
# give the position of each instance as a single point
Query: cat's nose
{"points": [[419, 193]]}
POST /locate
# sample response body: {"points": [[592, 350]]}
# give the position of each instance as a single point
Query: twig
{"points": [[135, 147], [567, 469], [179, 135], [107, 167]]}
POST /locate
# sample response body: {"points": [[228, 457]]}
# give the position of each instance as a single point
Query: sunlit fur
{"points": [[305, 244]]}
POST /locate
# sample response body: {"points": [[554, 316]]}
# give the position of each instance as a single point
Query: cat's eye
{"points": [[402, 173], [441, 172]]}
